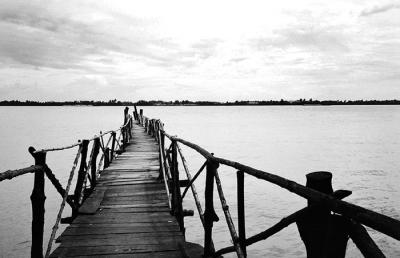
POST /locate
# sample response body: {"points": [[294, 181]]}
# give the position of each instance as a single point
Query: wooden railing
{"points": [[325, 225], [88, 173]]}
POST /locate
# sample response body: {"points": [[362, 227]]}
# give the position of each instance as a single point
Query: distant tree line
{"points": [[115, 102]]}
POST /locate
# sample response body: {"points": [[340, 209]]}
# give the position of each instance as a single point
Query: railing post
{"points": [[38, 199], [322, 233], [81, 175], [141, 116], [241, 211], [150, 126], [135, 113], [126, 110], [209, 213], [130, 128], [160, 141], [107, 157], [96, 150], [176, 191], [114, 136]]}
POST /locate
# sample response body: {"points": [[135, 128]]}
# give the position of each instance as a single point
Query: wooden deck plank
{"points": [[127, 215], [147, 229]]}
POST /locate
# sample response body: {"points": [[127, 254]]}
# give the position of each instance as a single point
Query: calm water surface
{"points": [[360, 145]]}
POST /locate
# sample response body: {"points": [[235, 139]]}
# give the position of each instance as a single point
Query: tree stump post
{"points": [[38, 199], [323, 234]]}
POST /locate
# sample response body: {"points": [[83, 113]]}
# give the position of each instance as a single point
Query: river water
{"points": [[360, 145]]}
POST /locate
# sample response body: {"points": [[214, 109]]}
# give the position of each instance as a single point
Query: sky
{"points": [[199, 50]]}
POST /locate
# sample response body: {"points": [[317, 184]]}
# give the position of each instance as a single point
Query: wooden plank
{"points": [[120, 219], [138, 192], [92, 203], [100, 230], [112, 250], [163, 254], [128, 224], [134, 209], [122, 239]]}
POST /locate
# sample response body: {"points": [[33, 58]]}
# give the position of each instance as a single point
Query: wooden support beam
{"points": [[50, 175], [363, 241]]}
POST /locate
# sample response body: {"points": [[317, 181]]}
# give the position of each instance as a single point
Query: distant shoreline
{"points": [[300, 102]]}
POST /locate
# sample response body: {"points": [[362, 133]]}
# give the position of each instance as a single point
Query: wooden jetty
{"points": [[128, 212], [127, 202]]}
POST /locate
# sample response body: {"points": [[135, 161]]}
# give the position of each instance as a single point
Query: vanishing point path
{"points": [[127, 215]]}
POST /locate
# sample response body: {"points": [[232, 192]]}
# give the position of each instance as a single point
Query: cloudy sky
{"points": [[199, 50]]}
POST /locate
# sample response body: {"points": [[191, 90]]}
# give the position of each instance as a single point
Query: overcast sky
{"points": [[199, 50]]}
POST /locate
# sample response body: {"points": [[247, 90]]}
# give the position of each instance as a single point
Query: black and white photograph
{"points": [[199, 129]]}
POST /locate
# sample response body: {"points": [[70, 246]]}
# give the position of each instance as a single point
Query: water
{"points": [[360, 145]]}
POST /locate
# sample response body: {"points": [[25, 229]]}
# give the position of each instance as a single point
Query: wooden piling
{"points": [[107, 157], [209, 213], [126, 115], [322, 233], [114, 138], [38, 199], [93, 164], [241, 211], [81, 174], [176, 191], [135, 113]]}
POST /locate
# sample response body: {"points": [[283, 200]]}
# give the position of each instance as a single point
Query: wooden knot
{"points": [[31, 150]]}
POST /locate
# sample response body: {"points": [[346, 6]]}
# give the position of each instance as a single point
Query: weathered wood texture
{"points": [[127, 215]]}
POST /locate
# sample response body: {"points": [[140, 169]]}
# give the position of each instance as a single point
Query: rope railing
{"points": [[325, 216], [89, 170], [91, 139]]}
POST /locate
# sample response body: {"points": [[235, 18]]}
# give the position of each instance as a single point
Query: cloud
{"points": [[41, 36], [60, 49], [379, 9], [306, 38]]}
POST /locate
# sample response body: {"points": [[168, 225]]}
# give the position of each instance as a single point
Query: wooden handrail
{"points": [[283, 223], [10, 174], [377, 221], [356, 214]]}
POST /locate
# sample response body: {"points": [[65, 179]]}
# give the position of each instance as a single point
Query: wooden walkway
{"points": [[127, 215]]}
